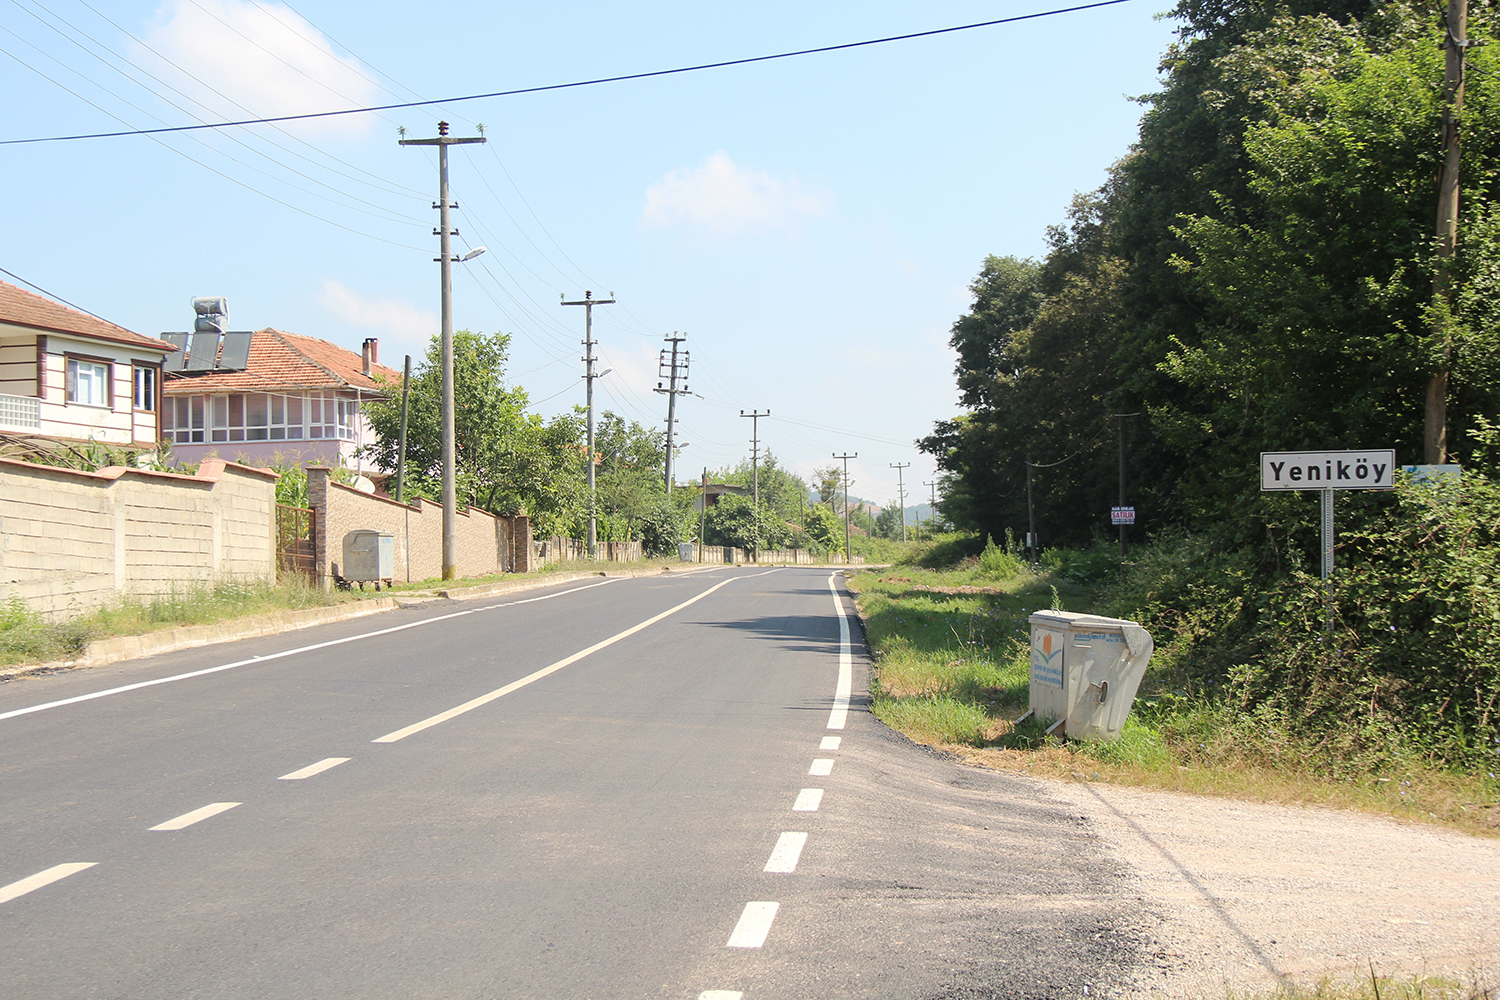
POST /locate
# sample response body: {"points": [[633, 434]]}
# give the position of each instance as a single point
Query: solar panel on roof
{"points": [[203, 352], [236, 354], [173, 362]]}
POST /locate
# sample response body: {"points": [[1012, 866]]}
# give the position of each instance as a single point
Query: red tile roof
{"points": [[21, 308], [281, 361]]}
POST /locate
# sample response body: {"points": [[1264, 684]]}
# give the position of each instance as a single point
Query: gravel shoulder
{"points": [[1249, 893]]}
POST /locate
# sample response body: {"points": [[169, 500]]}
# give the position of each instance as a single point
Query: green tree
{"points": [[506, 460]]}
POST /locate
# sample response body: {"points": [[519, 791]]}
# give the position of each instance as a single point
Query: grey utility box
{"points": [[1085, 671], [369, 556], [685, 551]]}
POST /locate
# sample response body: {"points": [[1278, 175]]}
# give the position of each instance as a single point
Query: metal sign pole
{"points": [[1327, 533], [1327, 558]]}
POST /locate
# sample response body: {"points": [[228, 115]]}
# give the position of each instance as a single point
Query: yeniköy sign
{"points": [[1328, 470]]}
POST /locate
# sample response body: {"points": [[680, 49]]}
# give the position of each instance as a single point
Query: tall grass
{"points": [[29, 637]]}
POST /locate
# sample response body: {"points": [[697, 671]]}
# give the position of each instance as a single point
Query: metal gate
{"points": [[296, 535]]}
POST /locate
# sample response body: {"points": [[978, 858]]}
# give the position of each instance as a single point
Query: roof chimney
{"points": [[365, 355]]}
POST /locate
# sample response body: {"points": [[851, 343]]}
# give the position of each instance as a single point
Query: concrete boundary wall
{"points": [[486, 544], [74, 541]]}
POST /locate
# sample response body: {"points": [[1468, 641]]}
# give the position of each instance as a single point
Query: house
{"points": [[712, 491], [288, 400], [66, 374]]}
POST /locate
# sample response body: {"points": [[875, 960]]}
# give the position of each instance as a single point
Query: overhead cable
{"points": [[575, 84]]}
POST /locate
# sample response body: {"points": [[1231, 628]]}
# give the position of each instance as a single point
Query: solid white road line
{"points": [[531, 678], [786, 852], [830, 743], [31, 882], [808, 800], [822, 767], [754, 925], [290, 652], [840, 713], [312, 769], [196, 816]]}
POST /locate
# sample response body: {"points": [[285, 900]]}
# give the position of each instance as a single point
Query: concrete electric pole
{"points": [[845, 458], [754, 417], [668, 370], [445, 260], [901, 492], [589, 302]]}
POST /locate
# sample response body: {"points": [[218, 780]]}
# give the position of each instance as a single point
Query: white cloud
{"points": [[264, 60], [399, 319], [724, 198]]}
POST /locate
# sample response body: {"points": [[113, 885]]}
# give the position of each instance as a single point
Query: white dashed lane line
{"points": [[821, 767], [196, 816], [830, 743], [34, 882], [312, 769], [808, 800], [721, 995], [754, 925], [786, 852], [840, 713]]}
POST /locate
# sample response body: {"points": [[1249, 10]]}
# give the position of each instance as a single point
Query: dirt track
{"points": [[1248, 892]]}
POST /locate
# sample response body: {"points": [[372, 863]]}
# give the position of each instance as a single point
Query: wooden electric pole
{"points": [[1455, 44]]}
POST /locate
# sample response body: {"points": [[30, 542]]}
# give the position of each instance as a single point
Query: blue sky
{"points": [[811, 224]]}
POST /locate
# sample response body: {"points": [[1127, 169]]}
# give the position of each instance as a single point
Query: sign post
{"points": [[1327, 471]]}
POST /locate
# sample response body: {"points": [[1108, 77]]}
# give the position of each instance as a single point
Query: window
{"points": [[182, 420], [257, 416], [88, 382], [145, 388]]}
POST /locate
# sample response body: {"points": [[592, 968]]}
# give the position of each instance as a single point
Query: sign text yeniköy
{"points": [[1328, 470]]}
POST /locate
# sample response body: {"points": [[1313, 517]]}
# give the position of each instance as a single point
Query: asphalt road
{"points": [[625, 788]]}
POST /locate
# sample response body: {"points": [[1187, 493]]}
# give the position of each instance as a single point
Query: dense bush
{"points": [[1411, 663]]}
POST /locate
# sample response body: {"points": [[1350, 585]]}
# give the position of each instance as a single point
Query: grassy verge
{"points": [[27, 637], [952, 670]]}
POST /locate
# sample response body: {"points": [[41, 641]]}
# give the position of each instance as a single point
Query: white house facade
{"points": [[65, 374]]}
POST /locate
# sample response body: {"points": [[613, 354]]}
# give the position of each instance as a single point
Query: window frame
{"points": [[71, 363]]}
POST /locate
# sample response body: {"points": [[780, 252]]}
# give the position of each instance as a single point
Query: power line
{"points": [[58, 298], [577, 83]]}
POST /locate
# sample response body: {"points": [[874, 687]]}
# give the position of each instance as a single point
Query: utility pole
{"points": [[754, 416], [445, 260], [901, 492], [670, 374], [1121, 417], [1455, 44], [1030, 516], [845, 458], [589, 302], [703, 516]]}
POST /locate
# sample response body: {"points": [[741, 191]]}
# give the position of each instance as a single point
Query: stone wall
{"points": [[486, 544], [73, 541]]}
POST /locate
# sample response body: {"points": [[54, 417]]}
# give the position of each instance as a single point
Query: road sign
{"points": [[1122, 515], [1373, 469]]}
